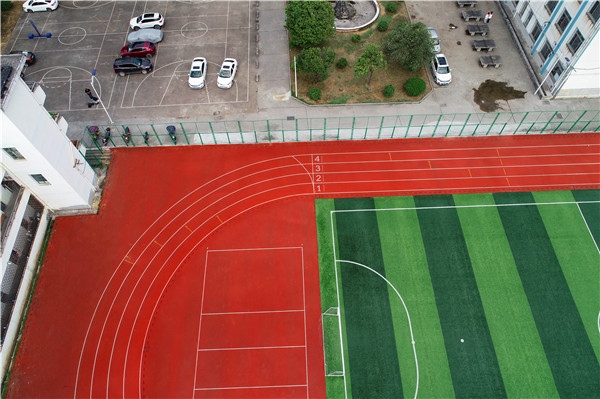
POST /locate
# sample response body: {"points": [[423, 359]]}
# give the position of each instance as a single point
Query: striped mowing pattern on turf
{"points": [[512, 255]]}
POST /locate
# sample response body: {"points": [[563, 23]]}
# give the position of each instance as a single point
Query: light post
{"points": [[98, 95]]}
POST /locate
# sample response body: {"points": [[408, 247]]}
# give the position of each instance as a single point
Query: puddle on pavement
{"points": [[489, 92]]}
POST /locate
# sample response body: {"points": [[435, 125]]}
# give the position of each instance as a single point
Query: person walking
{"points": [[487, 17], [93, 98]]}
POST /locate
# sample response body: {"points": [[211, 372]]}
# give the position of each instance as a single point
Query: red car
{"points": [[139, 49]]}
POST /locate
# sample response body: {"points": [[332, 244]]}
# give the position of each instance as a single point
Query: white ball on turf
{"points": [[462, 340]]}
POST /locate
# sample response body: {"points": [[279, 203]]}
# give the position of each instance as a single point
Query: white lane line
{"points": [[253, 312], [252, 387], [250, 348]]}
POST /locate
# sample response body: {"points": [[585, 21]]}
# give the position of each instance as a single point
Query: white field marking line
{"points": [[199, 329], [458, 178], [252, 249], [586, 223], [458, 168], [307, 172], [337, 293], [168, 84], [304, 314], [250, 348], [465, 206], [443, 149], [143, 300], [104, 36], [141, 303], [156, 221], [469, 159], [412, 337], [598, 321], [253, 312], [252, 387], [201, 240], [150, 76]]}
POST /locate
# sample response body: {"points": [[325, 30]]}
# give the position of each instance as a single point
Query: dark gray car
{"points": [[125, 66]]}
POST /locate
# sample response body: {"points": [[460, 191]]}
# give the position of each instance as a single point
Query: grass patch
{"points": [[355, 89]]}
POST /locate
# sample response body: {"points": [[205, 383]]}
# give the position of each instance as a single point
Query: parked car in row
{"points": [[139, 49], [145, 35], [149, 20], [435, 39], [125, 66], [197, 77], [227, 73], [441, 70], [40, 5]]}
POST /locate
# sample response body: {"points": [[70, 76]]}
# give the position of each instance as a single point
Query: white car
{"points": [[435, 39], [40, 5], [441, 70], [227, 73], [198, 73], [149, 20]]}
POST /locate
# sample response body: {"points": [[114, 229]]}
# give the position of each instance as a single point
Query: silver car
{"points": [[435, 39], [145, 35]]}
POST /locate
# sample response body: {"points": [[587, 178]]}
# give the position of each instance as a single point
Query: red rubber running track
{"points": [[198, 278]]}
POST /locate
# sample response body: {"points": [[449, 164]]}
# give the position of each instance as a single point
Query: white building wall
{"points": [[47, 151], [565, 73]]}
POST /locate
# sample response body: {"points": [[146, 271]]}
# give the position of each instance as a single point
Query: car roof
{"points": [[151, 15], [441, 59]]}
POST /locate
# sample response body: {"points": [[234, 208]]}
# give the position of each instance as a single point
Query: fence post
{"points": [[184, 133], [394, 127], [352, 131], [240, 129], [408, 127], [296, 123], [547, 123], [520, 123], [577, 121], [380, 127], [156, 134], [212, 132], [464, 125], [269, 130], [325, 129], [493, 123]]}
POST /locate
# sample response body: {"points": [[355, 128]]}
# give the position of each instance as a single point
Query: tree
{"points": [[370, 61], [409, 44], [316, 61], [309, 23]]}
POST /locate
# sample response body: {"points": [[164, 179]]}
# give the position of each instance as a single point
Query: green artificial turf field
{"points": [[461, 296]]}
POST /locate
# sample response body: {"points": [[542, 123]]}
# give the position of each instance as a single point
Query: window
{"points": [[575, 42], [522, 11], [551, 5], [40, 179], [557, 71], [594, 12], [546, 51], [528, 18], [536, 31], [14, 153], [563, 21]]}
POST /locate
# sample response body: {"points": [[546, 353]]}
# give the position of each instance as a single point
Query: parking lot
{"points": [[89, 35]]}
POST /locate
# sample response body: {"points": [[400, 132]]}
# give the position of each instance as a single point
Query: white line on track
{"points": [[253, 312], [251, 348], [252, 387], [251, 249], [199, 329]]}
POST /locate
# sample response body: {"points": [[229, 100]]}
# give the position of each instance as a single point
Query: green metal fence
{"points": [[346, 128]]}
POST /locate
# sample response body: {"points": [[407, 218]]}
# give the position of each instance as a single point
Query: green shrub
{"points": [[391, 7], [6, 5], [414, 86], [342, 63], [388, 91], [314, 94], [383, 25], [355, 38]]}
